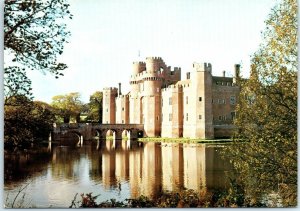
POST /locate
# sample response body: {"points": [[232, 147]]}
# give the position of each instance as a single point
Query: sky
{"points": [[108, 35]]}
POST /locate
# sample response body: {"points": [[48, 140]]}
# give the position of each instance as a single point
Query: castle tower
{"points": [[151, 96], [122, 109], [134, 100], [109, 105], [172, 102], [198, 116]]}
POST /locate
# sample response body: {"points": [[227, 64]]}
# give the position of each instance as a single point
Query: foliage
{"points": [[95, 107], [12, 78], [34, 34], [67, 106], [26, 122], [181, 199], [267, 111]]}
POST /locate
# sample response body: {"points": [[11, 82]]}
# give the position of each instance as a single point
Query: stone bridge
{"points": [[91, 131]]}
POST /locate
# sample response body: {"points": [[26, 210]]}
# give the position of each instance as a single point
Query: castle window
{"points": [[232, 115], [200, 116], [200, 99], [186, 100], [170, 117], [122, 121], [122, 108], [170, 101], [107, 110], [157, 118], [232, 100], [161, 70], [220, 118], [221, 101], [187, 117]]}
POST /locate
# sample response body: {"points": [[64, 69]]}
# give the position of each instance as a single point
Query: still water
{"points": [[144, 169]]}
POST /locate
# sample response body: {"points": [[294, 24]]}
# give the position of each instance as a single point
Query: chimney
{"points": [[119, 89], [237, 70], [236, 74], [188, 74], [224, 73]]}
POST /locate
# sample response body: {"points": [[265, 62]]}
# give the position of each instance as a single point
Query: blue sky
{"points": [[107, 36]]}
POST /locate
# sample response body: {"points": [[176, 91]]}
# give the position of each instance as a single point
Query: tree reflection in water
{"points": [[122, 172]]}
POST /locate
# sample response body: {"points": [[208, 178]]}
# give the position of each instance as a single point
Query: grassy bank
{"points": [[110, 138], [183, 140]]}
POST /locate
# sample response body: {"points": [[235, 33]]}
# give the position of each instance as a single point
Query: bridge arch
{"points": [[77, 134]]}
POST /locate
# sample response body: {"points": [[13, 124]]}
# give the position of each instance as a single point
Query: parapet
{"points": [[139, 63], [123, 96], [172, 87], [202, 66], [154, 58], [110, 89]]}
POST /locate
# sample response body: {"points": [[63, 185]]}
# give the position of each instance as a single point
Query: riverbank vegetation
{"points": [[26, 122], [34, 36], [232, 197], [267, 111]]}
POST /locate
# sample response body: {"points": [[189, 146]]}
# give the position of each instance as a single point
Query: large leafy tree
{"points": [[34, 35], [68, 106], [267, 111], [95, 107], [27, 122]]}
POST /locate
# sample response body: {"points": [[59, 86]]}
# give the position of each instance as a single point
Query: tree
{"points": [[95, 107], [34, 34], [26, 122], [68, 106], [267, 111]]}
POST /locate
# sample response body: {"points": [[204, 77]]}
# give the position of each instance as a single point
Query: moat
{"points": [[145, 169]]}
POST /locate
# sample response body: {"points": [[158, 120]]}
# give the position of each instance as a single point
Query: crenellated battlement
{"points": [[202, 67], [123, 96], [154, 58], [139, 63], [110, 89], [172, 87], [152, 79]]}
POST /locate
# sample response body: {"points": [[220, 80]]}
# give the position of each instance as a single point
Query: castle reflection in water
{"points": [[156, 167]]}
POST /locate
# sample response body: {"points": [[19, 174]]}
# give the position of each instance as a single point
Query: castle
{"points": [[201, 106]]}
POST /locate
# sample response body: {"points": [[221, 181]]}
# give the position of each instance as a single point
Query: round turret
{"points": [[138, 67], [154, 64]]}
